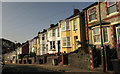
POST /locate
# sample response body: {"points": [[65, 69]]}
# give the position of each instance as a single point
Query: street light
{"points": [[102, 47]]}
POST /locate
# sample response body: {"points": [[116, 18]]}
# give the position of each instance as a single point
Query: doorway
{"points": [[59, 48]]}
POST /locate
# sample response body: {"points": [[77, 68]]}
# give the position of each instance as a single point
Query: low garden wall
{"points": [[78, 60]]}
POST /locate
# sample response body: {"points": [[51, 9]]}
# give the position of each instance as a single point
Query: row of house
{"points": [[81, 26]]}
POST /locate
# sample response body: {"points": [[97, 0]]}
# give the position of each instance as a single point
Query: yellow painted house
{"points": [[72, 30]]}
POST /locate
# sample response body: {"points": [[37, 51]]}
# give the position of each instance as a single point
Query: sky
{"points": [[21, 21]]}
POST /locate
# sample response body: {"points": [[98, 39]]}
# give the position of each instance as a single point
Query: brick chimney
{"points": [[75, 11], [51, 25]]}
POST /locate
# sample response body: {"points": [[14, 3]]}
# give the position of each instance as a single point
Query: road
{"points": [[21, 69], [32, 69]]}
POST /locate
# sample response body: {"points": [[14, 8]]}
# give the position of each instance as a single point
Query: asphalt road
{"points": [[32, 69], [22, 69]]}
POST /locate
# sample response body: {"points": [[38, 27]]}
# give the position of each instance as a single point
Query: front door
{"points": [[59, 49]]}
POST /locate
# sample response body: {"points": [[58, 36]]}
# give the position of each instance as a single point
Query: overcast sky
{"points": [[22, 21]]}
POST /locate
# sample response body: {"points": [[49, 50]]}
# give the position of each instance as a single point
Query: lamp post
{"points": [[102, 47]]}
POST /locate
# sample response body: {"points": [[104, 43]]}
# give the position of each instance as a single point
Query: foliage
{"points": [[26, 56], [84, 46], [20, 56], [32, 54]]}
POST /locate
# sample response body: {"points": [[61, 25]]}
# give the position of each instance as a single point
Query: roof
{"points": [[95, 3], [53, 26], [44, 30]]}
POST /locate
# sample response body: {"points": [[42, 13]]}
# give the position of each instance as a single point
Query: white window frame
{"points": [[43, 35], [75, 24], [96, 35], [66, 42], [53, 32], [51, 46], [65, 24]]}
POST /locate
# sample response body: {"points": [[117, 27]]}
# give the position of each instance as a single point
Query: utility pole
{"points": [[102, 47]]}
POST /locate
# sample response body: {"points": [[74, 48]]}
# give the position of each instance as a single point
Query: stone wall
{"points": [[79, 60]]}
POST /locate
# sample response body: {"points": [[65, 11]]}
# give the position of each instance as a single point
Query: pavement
{"points": [[21, 68]]}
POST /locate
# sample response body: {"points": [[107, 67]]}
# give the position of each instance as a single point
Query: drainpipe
{"points": [[102, 47]]}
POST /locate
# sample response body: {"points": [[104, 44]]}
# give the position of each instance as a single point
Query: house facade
{"points": [[43, 42], [54, 45], [25, 48], [19, 51], [72, 30], [38, 46], [35, 44], [30, 46], [110, 21], [110, 16]]}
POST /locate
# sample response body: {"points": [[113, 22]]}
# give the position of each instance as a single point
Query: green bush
{"points": [[32, 54]]}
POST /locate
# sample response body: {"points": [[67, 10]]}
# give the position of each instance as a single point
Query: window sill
{"points": [[115, 13], [97, 43], [66, 30], [93, 20], [67, 47]]}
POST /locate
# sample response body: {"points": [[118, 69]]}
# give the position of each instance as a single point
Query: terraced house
{"points": [[72, 30], [43, 42], [110, 20], [53, 39]]}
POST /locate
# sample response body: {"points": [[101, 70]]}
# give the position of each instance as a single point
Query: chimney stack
{"points": [[51, 25], [75, 11]]}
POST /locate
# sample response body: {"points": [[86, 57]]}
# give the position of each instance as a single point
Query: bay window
{"points": [[96, 34]]}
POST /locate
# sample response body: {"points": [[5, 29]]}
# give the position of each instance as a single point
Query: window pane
{"points": [[50, 44], [63, 26], [53, 33], [97, 38], [105, 34], [54, 44], [92, 16], [96, 31], [68, 41], [112, 9], [75, 24], [64, 41], [67, 25], [92, 10], [110, 3], [97, 35]]}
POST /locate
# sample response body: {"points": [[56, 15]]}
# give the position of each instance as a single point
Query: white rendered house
{"points": [[43, 42], [54, 44]]}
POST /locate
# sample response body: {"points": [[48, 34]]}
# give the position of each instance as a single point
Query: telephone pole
{"points": [[102, 47]]}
